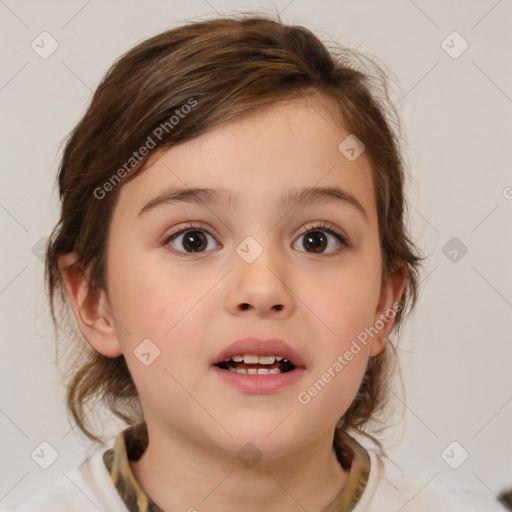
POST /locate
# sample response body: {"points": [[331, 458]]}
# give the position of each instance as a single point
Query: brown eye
{"points": [[316, 241], [195, 241], [190, 241]]}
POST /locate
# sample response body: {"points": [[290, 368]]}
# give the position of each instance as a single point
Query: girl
{"points": [[232, 246]]}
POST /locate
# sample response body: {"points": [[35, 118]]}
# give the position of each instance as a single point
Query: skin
{"points": [[190, 307]]}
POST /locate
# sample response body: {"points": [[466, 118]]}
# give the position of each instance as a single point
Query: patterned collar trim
{"points": [[131, 443]]}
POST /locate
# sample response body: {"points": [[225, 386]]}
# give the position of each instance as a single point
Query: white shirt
{"points": [[90, 488]]}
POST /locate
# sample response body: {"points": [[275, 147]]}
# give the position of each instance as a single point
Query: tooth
{"points": [[274, 370], [227, 359], [285, 361], [249, 359], [232, 369], [263, 371], [252, 371], [241, 370], [278, 359], [237, 359], [266, 359]]}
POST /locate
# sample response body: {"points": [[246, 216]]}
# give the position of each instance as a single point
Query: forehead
{"points": [[291, 145]]}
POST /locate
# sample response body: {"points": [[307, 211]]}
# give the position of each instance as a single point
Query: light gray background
{"points": [[456, 113]]}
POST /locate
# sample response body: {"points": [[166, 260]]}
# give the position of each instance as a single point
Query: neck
{"points": [[181, 475]]}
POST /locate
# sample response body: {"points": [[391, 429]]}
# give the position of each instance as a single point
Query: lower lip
{"points": [[259, 384]]}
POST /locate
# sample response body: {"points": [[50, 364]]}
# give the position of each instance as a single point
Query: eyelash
{"points": [[323, 226], [326, 227]]}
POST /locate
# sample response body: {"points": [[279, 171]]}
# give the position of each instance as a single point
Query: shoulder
{"points": [[87, 488], [392, 488]]}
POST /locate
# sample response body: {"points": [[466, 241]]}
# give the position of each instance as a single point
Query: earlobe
{"points": [[92, 309], [387, 309]]}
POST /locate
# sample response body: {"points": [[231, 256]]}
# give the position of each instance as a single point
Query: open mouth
{"points": [[256, 365]]}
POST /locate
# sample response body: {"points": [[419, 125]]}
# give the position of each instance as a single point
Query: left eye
{"points": [[316, 240]]}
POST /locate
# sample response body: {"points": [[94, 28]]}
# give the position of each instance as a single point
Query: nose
{"points": [[261, 288]]}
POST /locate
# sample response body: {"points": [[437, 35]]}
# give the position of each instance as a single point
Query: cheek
{"points": [[165, 311], [331, 391], [347, 297], [347, 300], [166, 308], [144, 297]]}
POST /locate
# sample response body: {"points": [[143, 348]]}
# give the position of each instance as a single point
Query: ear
{"points": [[92, 309], [391, 294]]}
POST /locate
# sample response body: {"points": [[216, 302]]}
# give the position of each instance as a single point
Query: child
{"points": [[232, 245]]}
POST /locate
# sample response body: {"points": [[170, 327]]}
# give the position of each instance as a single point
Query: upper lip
{"points": [[260, 347]]}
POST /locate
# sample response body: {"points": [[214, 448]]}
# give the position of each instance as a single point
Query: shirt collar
{"points": [[131, 443]]}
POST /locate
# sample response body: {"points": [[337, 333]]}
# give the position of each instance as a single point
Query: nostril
{"points": [[244, 306]]}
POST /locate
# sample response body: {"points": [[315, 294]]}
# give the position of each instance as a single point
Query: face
{"points": [[187, 278]]}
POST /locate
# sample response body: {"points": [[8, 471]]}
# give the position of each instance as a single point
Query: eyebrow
{"points": [[227, 199]]}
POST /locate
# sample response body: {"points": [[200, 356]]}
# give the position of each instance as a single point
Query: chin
{"points": [[256, 441]]}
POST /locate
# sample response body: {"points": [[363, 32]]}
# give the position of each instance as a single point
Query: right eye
{"points": [[190, 240]]}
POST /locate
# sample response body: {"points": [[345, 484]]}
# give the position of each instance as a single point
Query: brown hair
{"points": [[229, 67]]}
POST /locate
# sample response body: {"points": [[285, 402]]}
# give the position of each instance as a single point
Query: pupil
{"points": [[194, 240], [316, 240]]}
